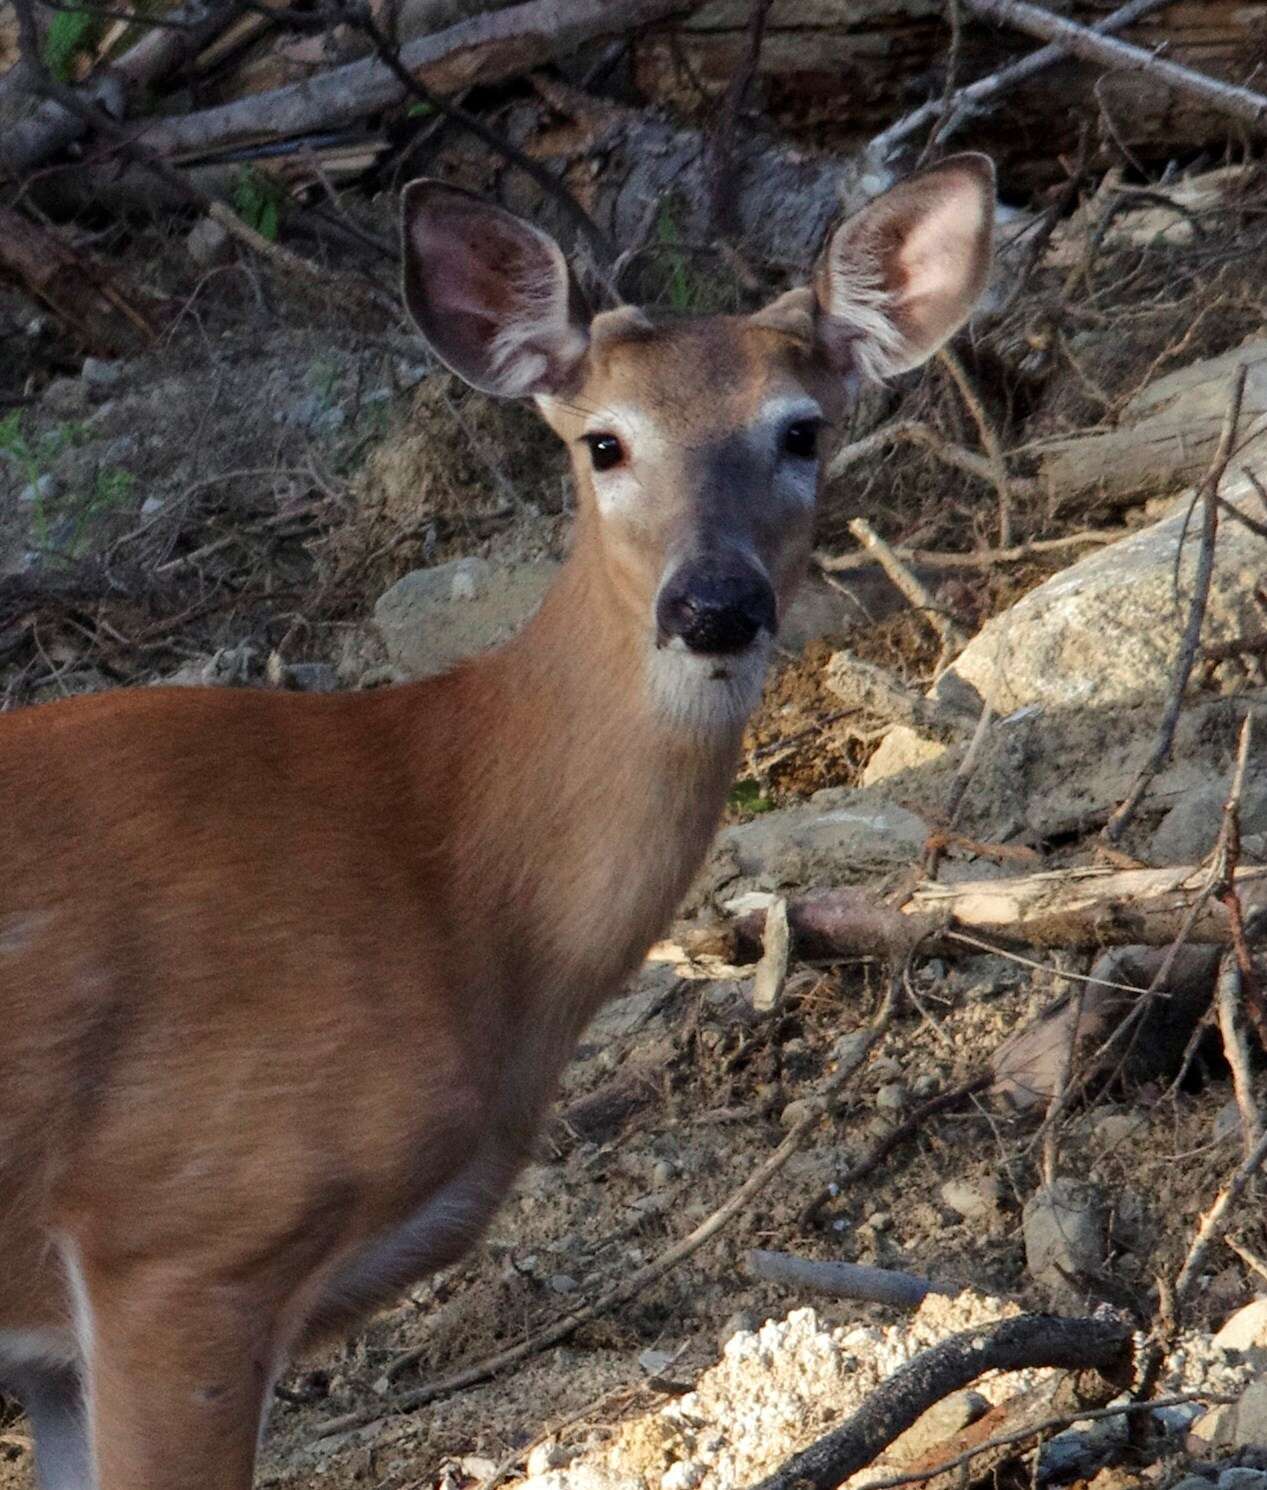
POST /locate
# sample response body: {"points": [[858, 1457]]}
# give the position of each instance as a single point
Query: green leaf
{"points": [[70, 33], [748, 796]]}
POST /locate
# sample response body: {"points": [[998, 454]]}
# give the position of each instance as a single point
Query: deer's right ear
{"points": [[492, 294]]}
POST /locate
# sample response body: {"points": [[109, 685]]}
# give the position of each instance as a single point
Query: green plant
{"points": [[749, 796], [70, 34], [113, 488], [257, 200], [678, 288]]}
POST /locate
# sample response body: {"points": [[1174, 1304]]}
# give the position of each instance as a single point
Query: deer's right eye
{"points": [[606, 450]]}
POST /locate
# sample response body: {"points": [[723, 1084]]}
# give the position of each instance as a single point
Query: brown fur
{"points": [[278, 973]]}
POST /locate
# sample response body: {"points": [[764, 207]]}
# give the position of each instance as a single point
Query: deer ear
{"points": [[492, 294], [900, 277]]}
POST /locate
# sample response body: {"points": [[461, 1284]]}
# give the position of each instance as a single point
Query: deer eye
{"points": [[606, 450], [801, 439]]}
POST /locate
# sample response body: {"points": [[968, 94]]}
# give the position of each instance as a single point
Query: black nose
{"points": [[716, 605]]}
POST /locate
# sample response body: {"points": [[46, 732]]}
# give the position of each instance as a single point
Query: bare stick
{"points": [[952, 637], [843, 1280], [1215, 1221], [987, 558], [979, 97], [644, 1276], [1227, 98], [997, 465], [1227, 997], [1208, 493], [1012, 1345], [722, 195]]}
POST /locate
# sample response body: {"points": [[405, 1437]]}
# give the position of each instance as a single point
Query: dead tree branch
{"points": [[1031, 1341], [1236, 102], [843, 1280]]}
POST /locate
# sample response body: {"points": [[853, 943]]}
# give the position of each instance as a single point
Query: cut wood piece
{"points": [[104, 313]]}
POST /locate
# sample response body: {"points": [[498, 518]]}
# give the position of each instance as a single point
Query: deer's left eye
{"points": [[800, 440], [606, 450]]}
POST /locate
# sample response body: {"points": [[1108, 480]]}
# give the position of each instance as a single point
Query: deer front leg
{"points": [[178, 1371]]}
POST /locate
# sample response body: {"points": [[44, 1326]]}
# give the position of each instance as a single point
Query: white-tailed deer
{"points": [[287, 981]]}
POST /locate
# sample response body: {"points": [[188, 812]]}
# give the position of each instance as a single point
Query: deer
{"points": [[287, 981]]}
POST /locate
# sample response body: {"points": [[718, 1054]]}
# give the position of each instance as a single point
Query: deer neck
{"points": [[595, 789]]}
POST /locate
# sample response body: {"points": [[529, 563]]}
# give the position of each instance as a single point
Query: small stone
{"points": [[100, 375], [208, 243], [152, 506], [1114, 1128], [544, 1457], [65, 398], [879, 1221], [891, 1097], [925, 1085], [741, 1322], [798, 1110], [563, 1283], [1246, 1329], [663, 1172], [974, 1200], [684, 1475], [1065, 1228], [656, 1362]]}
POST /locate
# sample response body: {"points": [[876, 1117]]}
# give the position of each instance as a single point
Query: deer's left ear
{"points": [[899, 277]]}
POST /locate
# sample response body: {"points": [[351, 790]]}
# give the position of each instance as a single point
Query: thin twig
{"points": [[978, 558], [998, 467], [722, 212], [952, 636], [1227, 998], [1216, 1220], [1186, 657]]}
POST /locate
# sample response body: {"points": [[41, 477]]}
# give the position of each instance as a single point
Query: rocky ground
{"points": [[276, 495]]}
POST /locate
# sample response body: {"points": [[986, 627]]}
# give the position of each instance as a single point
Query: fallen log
{"points": [[484, 49], [1085, 907]]}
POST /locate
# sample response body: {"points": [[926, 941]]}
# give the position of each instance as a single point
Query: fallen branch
{"points": [[987, 558], [1080, 907], [485, 49], [843, 1280], [977, 98], [641, 1278], [1012, 1345], [1226, 98]]}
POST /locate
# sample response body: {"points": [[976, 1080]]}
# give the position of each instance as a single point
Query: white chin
{"points": [[709, 693]]}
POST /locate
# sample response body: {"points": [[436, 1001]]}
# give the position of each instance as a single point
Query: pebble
{"points": [[99, 375], [208, 243], [974, 1200], [799, 1109], [891, 1097], [1065, 1227], [45, 489], [544, 1457], [563, 1283]]}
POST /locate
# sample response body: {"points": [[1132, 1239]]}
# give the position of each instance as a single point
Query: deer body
{"points": [[286, 982]]}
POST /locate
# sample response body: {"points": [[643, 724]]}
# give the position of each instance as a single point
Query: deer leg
{"points": [[179, 1369], [53, 1401]]}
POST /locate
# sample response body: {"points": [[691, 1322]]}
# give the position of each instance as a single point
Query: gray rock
{"points": [[209, 244], [100, 376], [1240, 1477], [65, 398], [1102, 633], [835, 832], [1066, 1229], [891, 1097], [433, 618], [1187, 832]]}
